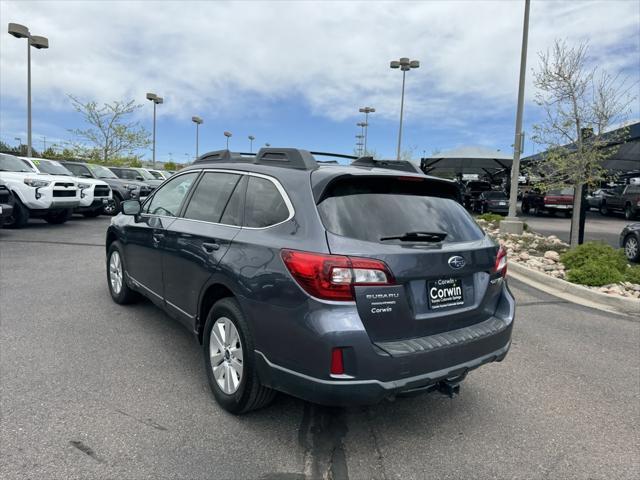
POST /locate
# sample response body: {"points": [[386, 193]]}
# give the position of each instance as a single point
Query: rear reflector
{"points": [[332, 277], [337, 364], [501, 262]]}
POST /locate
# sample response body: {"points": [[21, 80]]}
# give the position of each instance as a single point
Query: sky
{"points": [[295, 73]]}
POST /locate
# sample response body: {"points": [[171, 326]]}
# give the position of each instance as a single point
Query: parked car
{"points": [[493, 201], [158, 174], [94, 194], [472, 191], [556, 200], [51, 197], [630, 241], [121, 189], [595, 199], [624, 198], [6, 204], [137, 174], [336, 284]]}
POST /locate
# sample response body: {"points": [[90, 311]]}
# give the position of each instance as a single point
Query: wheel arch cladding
{"points": [[212, 294], [111, 237]]}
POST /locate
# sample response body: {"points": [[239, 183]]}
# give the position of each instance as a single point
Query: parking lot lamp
{"points": [[156, 100], [228, 135], [511, 224], [405, 65], [35, 41], [366, 111], [251, 139], [359, 138], [197, 120], [362, 125]]}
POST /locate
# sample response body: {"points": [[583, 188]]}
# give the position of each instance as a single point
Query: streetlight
{"points": [[359, 137], [403, 64], [156, 100], [366, 111], [362, 125], [197, 120], [267, 144], [228, 135], [35, 41], [19, 142], [251, 139]]}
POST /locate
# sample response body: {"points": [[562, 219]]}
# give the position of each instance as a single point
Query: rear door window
{"points": [[264, 204], [377, 207], [211, 196]]}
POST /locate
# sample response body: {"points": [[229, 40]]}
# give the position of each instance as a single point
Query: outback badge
{"points": [[456, 262]]}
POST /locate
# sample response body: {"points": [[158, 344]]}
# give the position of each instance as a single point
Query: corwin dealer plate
{"points": [[444, 292]]}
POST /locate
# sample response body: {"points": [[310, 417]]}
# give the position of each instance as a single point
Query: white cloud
{"points": [[224, 58]]}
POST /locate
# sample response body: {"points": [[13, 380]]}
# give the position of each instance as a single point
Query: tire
{"points": [[631, 247], [112, 208], [568, 214], [119, 290], [604, 210], [535, 211], [58, 217], [525, 208], [20, 216], [248, 393], [628, 212], [92, 213]]}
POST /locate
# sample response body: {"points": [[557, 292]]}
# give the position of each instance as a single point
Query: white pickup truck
{"points": [[50, 197], [94, 194]]}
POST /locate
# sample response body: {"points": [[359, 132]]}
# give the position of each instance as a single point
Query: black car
{"points": [[472, 191], [336, 284], [493, 201], [6, 203], [630, 241], [122, 189]]}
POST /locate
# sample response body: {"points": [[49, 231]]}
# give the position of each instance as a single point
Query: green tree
{"points": [[170, 166], [110, 132], [580, 104]]}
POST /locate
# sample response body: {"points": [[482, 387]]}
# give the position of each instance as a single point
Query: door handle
{"points": [[210, 247]]}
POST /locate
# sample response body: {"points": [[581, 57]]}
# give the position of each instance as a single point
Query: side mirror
{"points": [[139, 178], [131, 207]]}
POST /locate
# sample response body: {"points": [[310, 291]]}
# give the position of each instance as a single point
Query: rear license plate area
{"points": [[445, 293]]}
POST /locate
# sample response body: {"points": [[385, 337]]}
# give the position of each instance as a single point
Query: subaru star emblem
{"points": [[457, 262]]}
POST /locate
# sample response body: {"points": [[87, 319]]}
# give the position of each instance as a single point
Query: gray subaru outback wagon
{"points": [[338, 284]]}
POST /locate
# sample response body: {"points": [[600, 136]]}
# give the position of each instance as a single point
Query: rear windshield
{"points": [[373, 208], [495, 195], [561, 191]]}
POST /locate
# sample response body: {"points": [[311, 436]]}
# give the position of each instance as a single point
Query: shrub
{"points": [[595, 274], [594, 252], [632, 275], [491, 217]]}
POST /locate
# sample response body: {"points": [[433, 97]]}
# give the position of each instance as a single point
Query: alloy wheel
{"points": [[225, 350], [115, 272], [631, 247]]}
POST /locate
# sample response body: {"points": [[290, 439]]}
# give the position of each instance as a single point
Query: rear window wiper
{"points": [[418, 237]]}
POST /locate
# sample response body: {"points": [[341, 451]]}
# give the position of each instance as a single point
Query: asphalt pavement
{"points": [[90, 389], [597, 227]]}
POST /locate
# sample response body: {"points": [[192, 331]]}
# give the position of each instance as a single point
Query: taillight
{"points": [[501, 262], [332, 277]]}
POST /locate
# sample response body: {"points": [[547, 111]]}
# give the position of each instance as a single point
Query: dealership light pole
{"points": [[366, 111], [359, 139], [512, 224], [228, 135], [35, 41], [405, 65], [198, 121], [251, 139], [156, 100], [363, 126]]}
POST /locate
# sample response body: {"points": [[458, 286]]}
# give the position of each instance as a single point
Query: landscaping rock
{"points": [[552, 255]]}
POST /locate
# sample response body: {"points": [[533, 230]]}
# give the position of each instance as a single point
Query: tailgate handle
{"points": [[210, 247]]}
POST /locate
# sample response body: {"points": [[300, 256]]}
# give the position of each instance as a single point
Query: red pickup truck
{"points": [[556, 200]]}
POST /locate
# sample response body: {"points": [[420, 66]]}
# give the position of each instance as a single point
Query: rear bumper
{"points": [[363, 392]]}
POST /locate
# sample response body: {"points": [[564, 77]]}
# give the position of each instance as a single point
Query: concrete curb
{"points": [[575, 293]]}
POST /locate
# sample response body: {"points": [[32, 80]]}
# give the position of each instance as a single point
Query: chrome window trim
{"points": [[278, 185]]}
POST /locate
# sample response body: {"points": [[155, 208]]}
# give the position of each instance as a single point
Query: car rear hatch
{"points": [[561, 198], [438, 284]]}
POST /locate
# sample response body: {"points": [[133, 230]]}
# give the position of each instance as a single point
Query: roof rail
{"points": [[280, 157], [402, 165]]}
